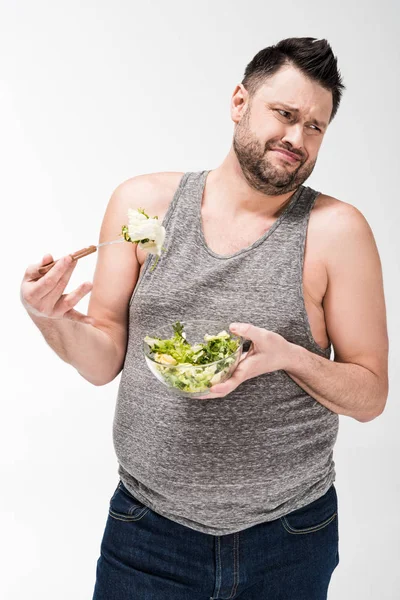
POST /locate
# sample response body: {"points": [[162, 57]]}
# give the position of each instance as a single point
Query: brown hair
{"points": [[312, 56]]}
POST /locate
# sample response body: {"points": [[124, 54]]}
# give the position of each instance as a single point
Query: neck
{"points": [[236, 198]]}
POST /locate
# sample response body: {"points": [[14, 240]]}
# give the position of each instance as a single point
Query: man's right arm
{"points": [[96, 351], [90, 350]]}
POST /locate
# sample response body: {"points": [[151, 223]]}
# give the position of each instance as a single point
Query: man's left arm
{"points": [[355, 383]]}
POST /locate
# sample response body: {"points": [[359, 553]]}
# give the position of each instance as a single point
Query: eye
{"points": [[288, 113]]}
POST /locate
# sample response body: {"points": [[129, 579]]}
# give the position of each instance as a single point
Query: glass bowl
{"points": [[191, 380]]}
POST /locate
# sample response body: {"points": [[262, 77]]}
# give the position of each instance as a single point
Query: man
{"points": [[232, 494]]}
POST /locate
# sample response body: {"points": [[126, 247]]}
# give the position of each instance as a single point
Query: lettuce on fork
{"points": [[147, 232]]}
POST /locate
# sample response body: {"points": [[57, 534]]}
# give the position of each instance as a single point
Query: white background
{"points": [[93, 93]]}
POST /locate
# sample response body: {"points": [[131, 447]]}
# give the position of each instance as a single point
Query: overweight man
{"points": [[232, 495]]}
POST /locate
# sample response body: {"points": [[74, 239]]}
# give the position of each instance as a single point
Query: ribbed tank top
{"points": [[225, 464]]}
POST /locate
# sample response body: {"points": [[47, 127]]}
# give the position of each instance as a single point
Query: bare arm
{"points": [[96, 351], [346, 389], [356, 383], [90, 346]]}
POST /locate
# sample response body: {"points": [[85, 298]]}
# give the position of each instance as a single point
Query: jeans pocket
{"points": [[313, 517], [125, 507]]}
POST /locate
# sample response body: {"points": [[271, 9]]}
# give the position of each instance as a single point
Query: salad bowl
{"points": [[189, 357]]}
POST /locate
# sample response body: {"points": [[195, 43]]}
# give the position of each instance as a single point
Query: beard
{"points": [[261, 174]]}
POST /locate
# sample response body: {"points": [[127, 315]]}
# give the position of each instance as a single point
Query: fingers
{"points": [[62, 270], [34, 293], [65, 304], [43, 295], [58, 282], [74, 315], [244, 354], [32, 272], [38, 286]]}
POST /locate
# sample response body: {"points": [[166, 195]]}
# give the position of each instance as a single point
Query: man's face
{"points": [[266, 123]]}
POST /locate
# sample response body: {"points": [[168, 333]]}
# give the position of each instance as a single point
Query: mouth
{"points": [[287, 155]]}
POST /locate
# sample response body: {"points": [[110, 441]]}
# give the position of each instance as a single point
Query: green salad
{"points": [[177, 351]]}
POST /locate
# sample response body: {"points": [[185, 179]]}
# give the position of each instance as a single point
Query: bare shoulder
{"points": [[332, 221], [155, 189], [152, 192], [337, 213], [335, 229]]}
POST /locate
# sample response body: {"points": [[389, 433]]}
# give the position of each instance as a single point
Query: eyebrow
{"points": [[296, 110]]}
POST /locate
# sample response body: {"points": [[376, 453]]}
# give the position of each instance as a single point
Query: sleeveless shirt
{"points": [[225, 464]]}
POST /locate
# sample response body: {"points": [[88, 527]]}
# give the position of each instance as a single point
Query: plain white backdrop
{"points": [[93, 93]]}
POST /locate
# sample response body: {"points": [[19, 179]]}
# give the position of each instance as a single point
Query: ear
{"points": [[239, 102]]}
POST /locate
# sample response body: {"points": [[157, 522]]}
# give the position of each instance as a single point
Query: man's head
{"points": [[297, 73]]}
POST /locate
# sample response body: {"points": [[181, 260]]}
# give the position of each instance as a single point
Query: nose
{"points": [[294, 137]]}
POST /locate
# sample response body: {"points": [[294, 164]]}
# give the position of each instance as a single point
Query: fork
{"points": [[76, 255]]}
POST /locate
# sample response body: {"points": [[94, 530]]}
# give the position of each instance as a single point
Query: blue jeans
{"points": [[145, 556]]}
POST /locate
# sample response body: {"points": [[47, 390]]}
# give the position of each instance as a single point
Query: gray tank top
{"points": [[222, 465]]}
